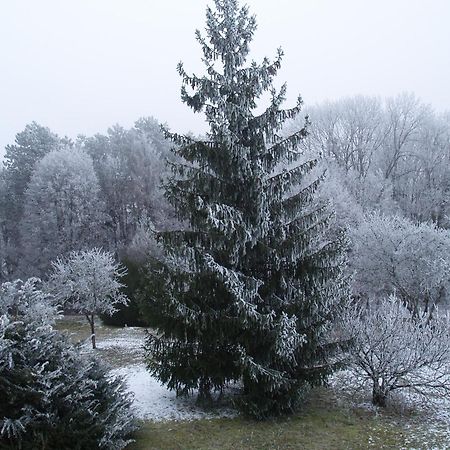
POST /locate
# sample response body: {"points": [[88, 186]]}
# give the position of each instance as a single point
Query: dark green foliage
{"points": [[130, 314], [248, 290], [126, 315], [52, 398]]}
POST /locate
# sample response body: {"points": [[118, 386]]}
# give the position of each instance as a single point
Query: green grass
{"points": [[77, 328], [318, 427], [114, 353], [322, 424]]}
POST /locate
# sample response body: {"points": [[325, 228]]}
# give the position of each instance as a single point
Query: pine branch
{"points": [[282, 182], [285, 150]]}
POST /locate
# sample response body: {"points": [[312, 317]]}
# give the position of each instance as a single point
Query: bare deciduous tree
{"points": [[394, 349], [88, 281]]}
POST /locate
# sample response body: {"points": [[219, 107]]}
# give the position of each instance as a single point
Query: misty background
{"points": [[79, 67]]}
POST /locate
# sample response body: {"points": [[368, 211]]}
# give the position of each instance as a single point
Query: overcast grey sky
{"points": [[80, 66]]}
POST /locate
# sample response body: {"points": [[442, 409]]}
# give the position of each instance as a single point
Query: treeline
{"points": [[255, 285], [387, 177], [58, 196], [388, 180], [391, 156]]}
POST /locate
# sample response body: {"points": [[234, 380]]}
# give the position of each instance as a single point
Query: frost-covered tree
{"points": [[30, 146], [348, 131], [3, 261], [63, 210], [88, 282], [3, 247], [249, 287], [423, 190], [50, 396], [129, 164], [405, 116], [394, 349], [394, 153], [395, 255]]}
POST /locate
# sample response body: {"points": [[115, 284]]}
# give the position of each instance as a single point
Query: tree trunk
{"points": [[379, 396], [204, 392], [92, 324]]}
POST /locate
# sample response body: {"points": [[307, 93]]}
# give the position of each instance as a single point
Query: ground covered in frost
{"points": [[425, 420]]}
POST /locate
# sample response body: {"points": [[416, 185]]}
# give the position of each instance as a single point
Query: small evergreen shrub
{"points": [[51, 397]]}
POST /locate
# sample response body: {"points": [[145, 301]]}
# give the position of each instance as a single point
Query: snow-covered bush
{"points": [[18, 298], [394, 349], [88, 283], [50, 396]]}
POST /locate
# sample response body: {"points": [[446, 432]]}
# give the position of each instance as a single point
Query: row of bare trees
{"points": [[393, 155]]}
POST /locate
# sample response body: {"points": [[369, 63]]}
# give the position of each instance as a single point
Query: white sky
{"points": [[80, 66]]}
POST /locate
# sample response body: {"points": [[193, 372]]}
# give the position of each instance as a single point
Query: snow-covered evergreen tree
{"points": [[19, 298], [51, 397], [3, 263], [250, 286]]}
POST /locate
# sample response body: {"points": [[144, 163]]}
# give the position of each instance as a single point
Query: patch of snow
{"points": [[124, 342], [153, 401]]}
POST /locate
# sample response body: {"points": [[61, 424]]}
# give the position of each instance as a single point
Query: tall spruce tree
{"points": [[248, 290]]}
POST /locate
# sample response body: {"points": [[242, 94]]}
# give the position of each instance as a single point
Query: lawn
{"points": [[318, 427], [328, 420]]}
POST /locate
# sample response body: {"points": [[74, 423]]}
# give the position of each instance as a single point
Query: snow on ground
{"points": [[126, 341], [433, 417], [153, 401], [122, 348]]}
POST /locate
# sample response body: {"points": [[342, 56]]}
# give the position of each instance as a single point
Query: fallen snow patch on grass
{"points": [[152, 401]]}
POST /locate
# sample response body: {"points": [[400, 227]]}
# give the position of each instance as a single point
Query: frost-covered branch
{"points": [[395, 349], [88, 283]]}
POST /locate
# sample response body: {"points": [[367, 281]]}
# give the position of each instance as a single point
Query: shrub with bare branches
{"points": [[395, 349]]}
